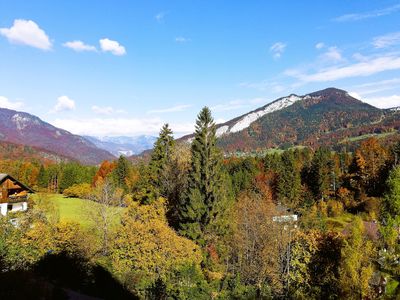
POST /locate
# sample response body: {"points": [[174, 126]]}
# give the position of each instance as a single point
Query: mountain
{"points": [[123, 145], [26, 129], [328, 117], [28, 153]]}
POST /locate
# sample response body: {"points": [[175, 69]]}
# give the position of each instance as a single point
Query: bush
{"points": [[82, 190]]}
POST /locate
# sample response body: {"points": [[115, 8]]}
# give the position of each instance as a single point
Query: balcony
{"points": [[14, 199]]}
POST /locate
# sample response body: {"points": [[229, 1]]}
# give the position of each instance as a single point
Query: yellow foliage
{"points": [[146, 244]]}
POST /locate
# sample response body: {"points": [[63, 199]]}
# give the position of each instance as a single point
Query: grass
{"points": [[77, 210], [366, 136], [339, 223]]}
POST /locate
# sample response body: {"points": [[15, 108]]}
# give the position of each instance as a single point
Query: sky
{"points": [[110, 68]]}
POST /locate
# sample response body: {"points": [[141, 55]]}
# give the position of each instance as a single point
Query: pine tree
{"points": [[289, 184], [121, 172], [204, 200], [43, 177], [322, 178], [160, 158]]}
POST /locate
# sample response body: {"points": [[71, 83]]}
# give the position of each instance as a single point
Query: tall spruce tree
{"points": [[204, 200], [322, 179], [289, 184], [121, 173], [160, 158]]}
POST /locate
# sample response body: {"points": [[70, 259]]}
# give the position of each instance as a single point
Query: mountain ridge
{"points": [[318, 118], [26, 129]]}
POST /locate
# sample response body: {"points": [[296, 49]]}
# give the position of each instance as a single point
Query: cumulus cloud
{"points": [[372, 65], [79, 46], [27, 32], [114, 47], [64, 103], [120, 126], [367, 15], [320, 45], [384, 101], [277, 49], [106, 110], [386, 40], [177, 108], [5, 103]]}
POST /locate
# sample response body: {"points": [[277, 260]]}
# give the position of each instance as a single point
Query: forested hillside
{"points": [[305, 223], [329, 117]]}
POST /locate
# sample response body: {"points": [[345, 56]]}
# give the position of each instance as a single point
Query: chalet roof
{"points": [[4, 176]]}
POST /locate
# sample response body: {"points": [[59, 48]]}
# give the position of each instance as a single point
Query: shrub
{"points": [[82, 190]]}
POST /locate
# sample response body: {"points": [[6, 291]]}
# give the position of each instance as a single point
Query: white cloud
{"points": [[5, 103], [64, 103], [384, 101], [181, 39], [355, 95], [277, 49], [369, 67], [79, 46], [332, 55], [106, 110], [120, 126], [114, 47], [386, 40], [367, 15], [377, 86], [171, 109], [320, 45], [27, 32]]}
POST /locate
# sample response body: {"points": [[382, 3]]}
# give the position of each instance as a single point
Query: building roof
{"points": [[4, 176]]}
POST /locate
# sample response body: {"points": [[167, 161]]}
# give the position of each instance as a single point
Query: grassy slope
{"points": [[76, 210]]}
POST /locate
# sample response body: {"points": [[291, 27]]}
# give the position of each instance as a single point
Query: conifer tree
{"points": [[321, 176], [121, 172], [43, 177], [289, 184], [160, 158], [204, 200]]}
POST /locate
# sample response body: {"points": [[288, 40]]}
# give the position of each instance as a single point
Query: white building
{"points": [[13, 195]]}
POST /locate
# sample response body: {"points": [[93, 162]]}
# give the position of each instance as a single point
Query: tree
{"points": [[161, 158], [390, 222], [121, 173], [369, 163], [102, 212], [356, 267], [322, 176], [259, 246], [43, 177], [106, 168], [204, 201], [146, 250], [289, 182]]}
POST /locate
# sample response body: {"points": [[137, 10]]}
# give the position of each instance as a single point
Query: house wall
{"points": [[3, 209], [20, 206]]}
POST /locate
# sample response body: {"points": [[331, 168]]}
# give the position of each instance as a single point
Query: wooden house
{"points": [[13, 195]]}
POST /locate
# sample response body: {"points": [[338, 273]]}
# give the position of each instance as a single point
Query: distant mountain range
{"points": [[328, 117], [123, 145], [26, 129]]}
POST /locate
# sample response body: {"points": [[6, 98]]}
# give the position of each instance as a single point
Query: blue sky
{"points": [[126, 67]]}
